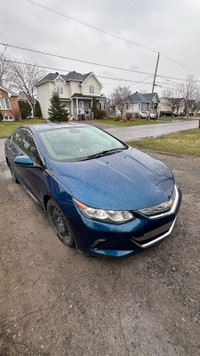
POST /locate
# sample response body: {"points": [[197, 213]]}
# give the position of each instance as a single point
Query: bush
{"points": [[37, 110], [17, 115], [136, 115], [102, 114], [25, 109], [1, 116], [94, 108], [117, 118], [129, 116]]}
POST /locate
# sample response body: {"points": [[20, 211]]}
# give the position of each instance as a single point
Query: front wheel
{"points": [[12, 173], [60, 223]]}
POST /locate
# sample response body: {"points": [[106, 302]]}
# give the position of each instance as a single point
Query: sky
{"points": [[125, 34]]}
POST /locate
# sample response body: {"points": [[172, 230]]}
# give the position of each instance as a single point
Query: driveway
{"points": [[57, 302]]}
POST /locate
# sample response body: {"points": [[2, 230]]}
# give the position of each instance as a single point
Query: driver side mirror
{"points": [[25, 161]]}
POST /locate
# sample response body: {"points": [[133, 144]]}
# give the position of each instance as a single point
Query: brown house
{"points": [[9, 105]]}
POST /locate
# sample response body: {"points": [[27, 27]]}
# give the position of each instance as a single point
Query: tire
{"points": [[60, 223], [13, 173]]}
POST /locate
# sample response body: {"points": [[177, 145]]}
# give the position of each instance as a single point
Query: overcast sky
{"points": [[171, 27]]}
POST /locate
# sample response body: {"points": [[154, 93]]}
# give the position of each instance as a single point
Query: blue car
{"points": [[100, 194]]}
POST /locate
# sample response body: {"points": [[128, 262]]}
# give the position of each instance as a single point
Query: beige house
{"points": [[171, 106], [76, 90]]}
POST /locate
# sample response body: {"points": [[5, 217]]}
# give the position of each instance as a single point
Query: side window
{"points": [[29, 147], [17, 137]]}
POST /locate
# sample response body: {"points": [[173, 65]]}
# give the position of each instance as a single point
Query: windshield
{"points": [[79, 143]]}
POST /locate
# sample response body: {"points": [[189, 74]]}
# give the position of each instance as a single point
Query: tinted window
{"points": [[77, 143], [29, 147]]}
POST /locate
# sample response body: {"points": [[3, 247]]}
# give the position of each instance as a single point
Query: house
{"points": [[9, 106], [171, 106], [76, 91], [141, 102]]}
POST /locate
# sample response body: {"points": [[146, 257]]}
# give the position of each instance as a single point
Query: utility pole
{"points": [[154, 81]]}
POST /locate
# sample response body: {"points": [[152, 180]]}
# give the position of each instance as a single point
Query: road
{"points": [[132, 133]]}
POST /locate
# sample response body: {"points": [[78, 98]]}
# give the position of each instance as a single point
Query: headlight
{"points": [[108, 216]]}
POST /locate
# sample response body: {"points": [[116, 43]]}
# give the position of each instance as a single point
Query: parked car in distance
{"points": [[145, 114], [168, 113], [100, 194]]}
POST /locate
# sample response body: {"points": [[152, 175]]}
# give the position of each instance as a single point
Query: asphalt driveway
{"points": [[55, 301]]}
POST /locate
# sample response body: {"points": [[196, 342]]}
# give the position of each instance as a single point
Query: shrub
{"points": [[1, 116], [117, 118], [136, 115], [94, 108], [17, 115], [25, 109], [102, 114], [129, 116], [37, 110]]}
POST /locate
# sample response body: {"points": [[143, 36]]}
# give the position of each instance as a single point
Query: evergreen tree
{"points": [[57, 111], [37, 110], [25, 108], [94, 108]]}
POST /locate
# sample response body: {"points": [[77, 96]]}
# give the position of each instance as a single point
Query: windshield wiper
{"points": [[105, 153]]}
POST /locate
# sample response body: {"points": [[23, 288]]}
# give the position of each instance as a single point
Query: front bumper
{"points": [[97, 238]]}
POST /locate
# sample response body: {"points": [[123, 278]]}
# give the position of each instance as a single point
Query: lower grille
{"points": [[154, 236]]}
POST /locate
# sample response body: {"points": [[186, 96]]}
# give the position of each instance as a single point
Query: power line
{"points": [[73, 59], [98, 76], [90, 26], [64, 70], [83, 61], [110, 34]]}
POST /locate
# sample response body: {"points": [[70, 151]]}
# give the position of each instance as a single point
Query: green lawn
{"points": [[129, 123], [185, 142], [6, 128]]}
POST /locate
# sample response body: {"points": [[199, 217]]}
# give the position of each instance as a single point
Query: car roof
{"points": [[52, 126]]}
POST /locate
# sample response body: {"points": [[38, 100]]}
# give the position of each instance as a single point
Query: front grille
{"points": [[162, 209]]}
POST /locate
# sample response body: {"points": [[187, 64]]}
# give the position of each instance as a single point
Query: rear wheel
{"points": [[60, 223]]}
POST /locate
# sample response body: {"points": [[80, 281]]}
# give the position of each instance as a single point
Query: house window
{"points": [[60, 89], [8, 118], [102, 105], [91, 89], [4, 104]]}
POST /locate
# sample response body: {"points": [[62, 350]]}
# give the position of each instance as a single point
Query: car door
{"points": [[35, 179]]}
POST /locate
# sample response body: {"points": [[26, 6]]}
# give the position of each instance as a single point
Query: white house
{"points": [[76, 90], [138, 102]]}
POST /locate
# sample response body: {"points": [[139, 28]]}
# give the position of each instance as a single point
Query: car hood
{"points": [[127, 180]]}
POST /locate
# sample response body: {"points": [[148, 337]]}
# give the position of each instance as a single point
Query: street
{"points": [[132, 133]]}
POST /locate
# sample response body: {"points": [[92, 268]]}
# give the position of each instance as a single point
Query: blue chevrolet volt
{"points": [[100, 194]]}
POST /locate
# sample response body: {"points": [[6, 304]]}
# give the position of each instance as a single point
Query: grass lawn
{"points": [[185, 142], [7, 128], [129, 123]]}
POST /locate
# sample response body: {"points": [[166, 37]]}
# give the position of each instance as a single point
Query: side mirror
{"points": [[24, 161]]}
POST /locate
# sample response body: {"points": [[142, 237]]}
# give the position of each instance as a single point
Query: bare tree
{"points": [[172, 99], [4, 69], [24, 78], [119, 98], [190, 92]]}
